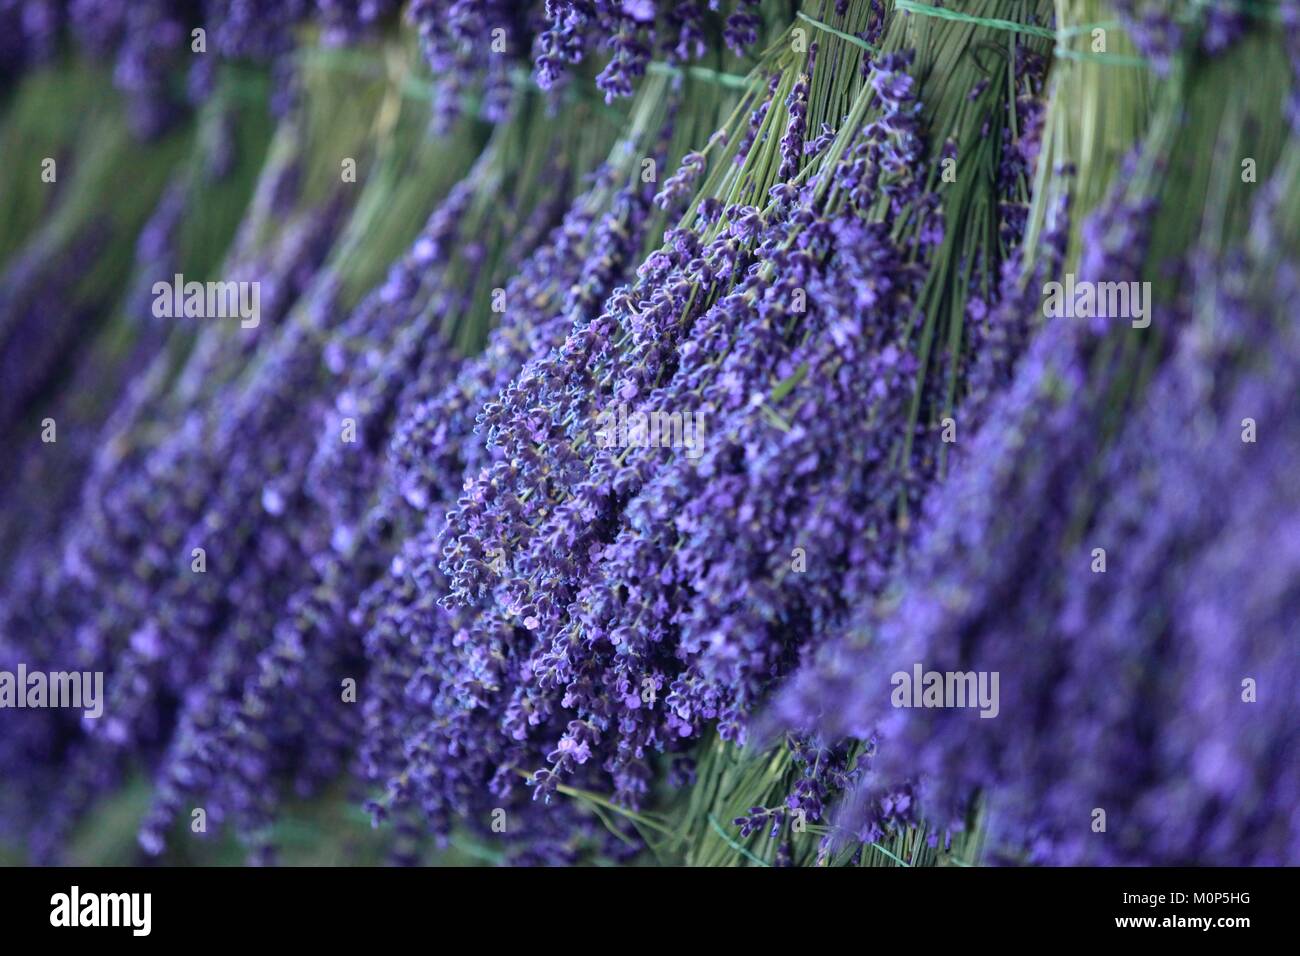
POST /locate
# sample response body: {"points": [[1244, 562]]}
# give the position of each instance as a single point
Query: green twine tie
{"points": [[925, 9], [849, 37]]}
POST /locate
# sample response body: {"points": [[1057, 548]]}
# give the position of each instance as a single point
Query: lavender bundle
{"points": [[146, 494], [1075, 552], [574, 270], [234, 742]]}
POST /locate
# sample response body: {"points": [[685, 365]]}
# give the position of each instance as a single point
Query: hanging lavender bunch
{"points": [[1068, 555], [572, 272], [658, 593], [747, 639], [332, 529]]}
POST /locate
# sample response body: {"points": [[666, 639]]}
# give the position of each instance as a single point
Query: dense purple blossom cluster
{"points": [[1097, 558], [610, 603], [420, 661], [632, 31], [1182, 622], [114, 599]]}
